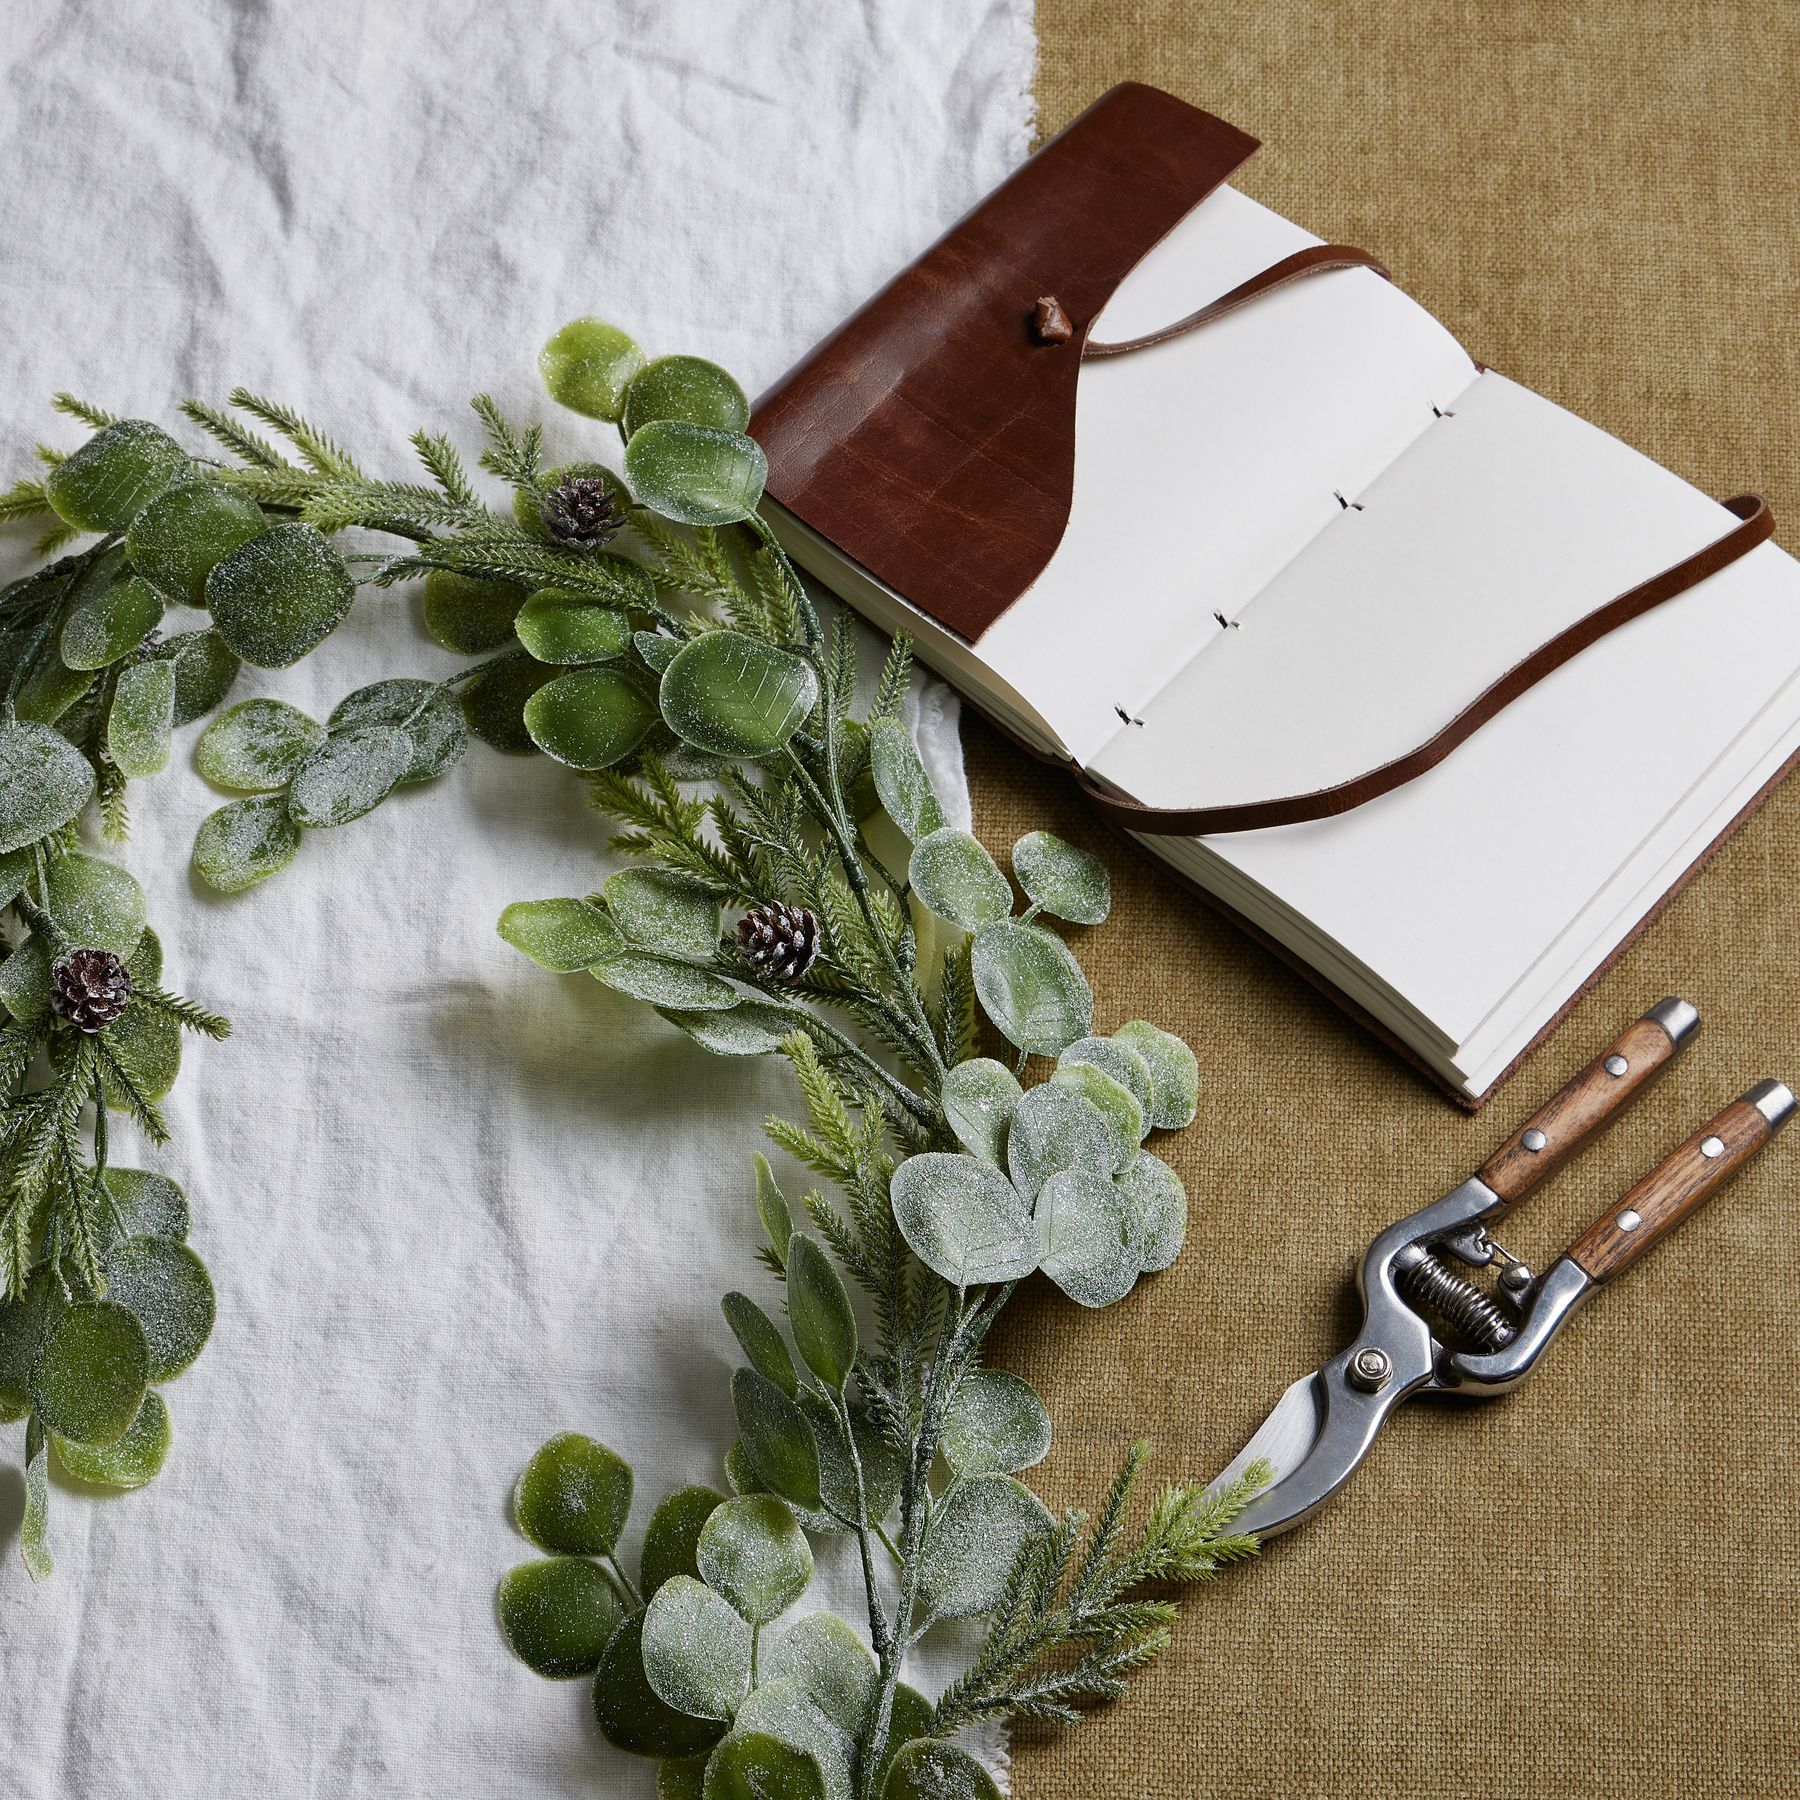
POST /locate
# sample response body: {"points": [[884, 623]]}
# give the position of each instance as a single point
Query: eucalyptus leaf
{"points": [[1054, 1128], [695, 474], [628, 1710], [280, 595], [753, 1553], [666, 913], [826, 1659], [1154, 1192], [761, 1340], [930, 1770], [777, 1440], [574, 1496], [467, 615], [735, 696], [109, 620], [978, 1098], [1120, 1061], [687, 388], [23, 1322], [91, 1372], [205, 670], [1090, 1237], [1174, 1072], [560, 627], [751, 1028], [901, 781], [494, 702], [682, 1778], [837, 1473], [16, 868], [561, 935], [752, 1765], [166, 1285], [428, 715], [913, 1719], [782, 1709], [558, 1615], [245, 842], [348, 775], [679, 986], [147, 1204], [148, 1043], [588, 366], [34, 1541], [656, 648], [589, 718], [131, 1461], [1116, 1104], [115, 474], [51, 689], [974, 1541], [25, 980], [672, 1537], [696, 1648], [1031, 987], [996, 1423], [96, 903], [256, 746], [963, 1220], [956, 878], [1061, 879], [141, 721], [819, 1311], [44, 783], [178, 539]]}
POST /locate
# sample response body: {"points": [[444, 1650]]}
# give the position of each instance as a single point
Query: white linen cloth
{"points": [[452, 1204]]}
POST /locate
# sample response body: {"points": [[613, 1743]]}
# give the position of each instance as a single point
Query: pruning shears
{"points": [[1430, 1328]]}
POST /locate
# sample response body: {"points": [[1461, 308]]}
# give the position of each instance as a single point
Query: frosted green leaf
{"points": [[912, 1719], [956, 878], [255, 746], [751, 1028], [837, 1474], [348, 775], [44, 783], [51, 689], [1120, 1061], [147, 1204], [732, 695], [1117, 1105], [753, 1553], [657, 649], [132, 1461], [178, 539], [683, 1779], [1174, 1073], [278, 596], [696, 1649], [1090, 1237], [680, 986], [574, 1497], [1061, 879], [739, 1475], [978, 1099], [22, 1324], [561, 935], [25, 980], [688, 388], [115, 474], [148, 1043], [588, 366], [91, 1371], [823, 1655], [245, 842], [109, 620], [146, 961], [34, 1544], [772, 1207], [975, 1538], [561, 627], [963, 1220], [467, 615], [819, 1311], [1154, 1192], [1031, 987], [667, 913], [996, 1424], [428, 715], [142, 719], [931, 1770], [695, 474], [752, 1765], [783, 1710], [589, 718], [673, 1536], [558, 1614], [626, 1708], [167, 1286], [96, 903], [1054, 1128], [900, 779], [761, 1340], [494, 703], [205, 669], [777, 1440], [16, 868]]}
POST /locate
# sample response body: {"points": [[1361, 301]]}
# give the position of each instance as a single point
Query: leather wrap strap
{"points": [[1755, 526]]}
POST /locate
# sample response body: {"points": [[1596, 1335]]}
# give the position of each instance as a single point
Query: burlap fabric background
{"points": [[1592, 1587]]}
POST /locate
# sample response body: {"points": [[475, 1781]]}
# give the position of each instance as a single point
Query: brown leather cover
{"points": [[931, 438]]}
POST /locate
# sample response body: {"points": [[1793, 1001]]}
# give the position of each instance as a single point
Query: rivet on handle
{"points": [[1534, 1140]]}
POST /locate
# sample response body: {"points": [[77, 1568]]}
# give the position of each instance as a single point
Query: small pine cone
{"points": [[89, 988], [581, 510], [779, 941]]}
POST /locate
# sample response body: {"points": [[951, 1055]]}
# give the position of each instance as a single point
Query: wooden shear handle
{"points": [[1681, 1183], [1574, 1115]]}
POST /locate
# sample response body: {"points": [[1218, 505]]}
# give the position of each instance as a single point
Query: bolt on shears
{"points": [[1430, 1328]]}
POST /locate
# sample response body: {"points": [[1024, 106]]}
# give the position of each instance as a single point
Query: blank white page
{"points": [[1204, 464]]}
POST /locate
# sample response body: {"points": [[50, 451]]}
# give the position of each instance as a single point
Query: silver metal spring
{"points": [[1428, 1283]]}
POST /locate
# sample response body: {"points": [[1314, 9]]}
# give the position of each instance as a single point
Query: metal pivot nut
{"points": [[1370, 1369]]}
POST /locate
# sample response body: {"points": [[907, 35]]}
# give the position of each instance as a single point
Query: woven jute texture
{"points": [[1591, 1587]]}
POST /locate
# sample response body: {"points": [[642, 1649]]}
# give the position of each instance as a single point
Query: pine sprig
{"points": [[189, 1014], [255, 451], [515, 456], [72, 408], [316, 450], [24, 500]]}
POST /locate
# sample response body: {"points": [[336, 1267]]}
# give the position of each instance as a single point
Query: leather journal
{"points": [[1438, 690]]}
